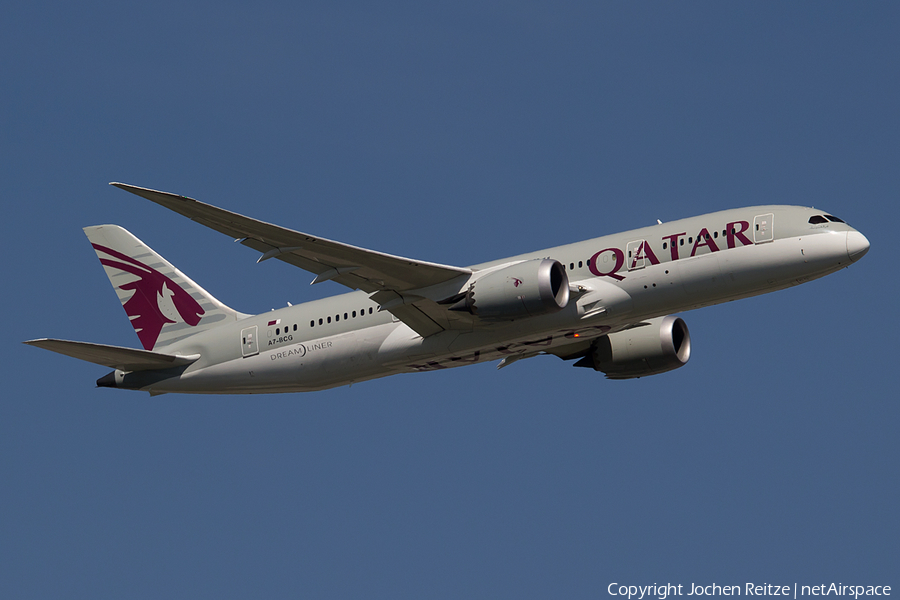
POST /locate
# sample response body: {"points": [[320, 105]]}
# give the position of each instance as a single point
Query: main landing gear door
{"points": [[763, 228], [249, 345]]}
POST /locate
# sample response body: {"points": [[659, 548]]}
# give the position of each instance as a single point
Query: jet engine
{"points": [[526, 289], [656, 346]]}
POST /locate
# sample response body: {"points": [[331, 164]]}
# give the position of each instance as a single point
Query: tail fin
{"points": [[163, 303]]}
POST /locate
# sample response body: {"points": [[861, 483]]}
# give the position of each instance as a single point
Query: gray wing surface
{"points": [[354, 267]]}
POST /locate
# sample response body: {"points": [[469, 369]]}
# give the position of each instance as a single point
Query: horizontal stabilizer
{"points": [[114, 357]]}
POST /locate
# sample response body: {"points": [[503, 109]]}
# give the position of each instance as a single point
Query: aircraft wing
{"points": [[356, 268]]}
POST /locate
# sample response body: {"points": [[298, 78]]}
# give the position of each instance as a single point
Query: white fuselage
{"points": [[616, 280]]}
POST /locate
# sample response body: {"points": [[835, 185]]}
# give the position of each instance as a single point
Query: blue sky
{"points": [[456, 133]]}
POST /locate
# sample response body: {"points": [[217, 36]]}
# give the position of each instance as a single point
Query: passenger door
{"points": [[633, 261], [763, 228], [249, 343]]}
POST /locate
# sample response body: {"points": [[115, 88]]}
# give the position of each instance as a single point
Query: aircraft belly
{"points": [[480, 347]]}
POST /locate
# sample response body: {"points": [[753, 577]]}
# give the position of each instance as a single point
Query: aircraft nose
{"points": [[857, 245]]}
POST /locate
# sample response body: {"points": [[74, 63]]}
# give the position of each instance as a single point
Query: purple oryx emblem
{"points": [[156, 300], [516, 282]]}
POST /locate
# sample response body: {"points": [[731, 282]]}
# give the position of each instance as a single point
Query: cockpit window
{"points": [[815, 220], [833, 219]]}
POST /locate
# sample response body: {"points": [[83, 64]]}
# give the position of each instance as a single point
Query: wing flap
{"points": [[114, 357]]}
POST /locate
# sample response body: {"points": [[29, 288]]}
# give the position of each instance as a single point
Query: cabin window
{"points": [[370, 310], [295, 327], [665, 245], [329, 319], [681, 242], [312, 323], [571, 266], [320, 321], [715, 234], [345, 316], [579, 264], [690, 240], [277, 330], [354, 314], [833, 219], [337, 318]]}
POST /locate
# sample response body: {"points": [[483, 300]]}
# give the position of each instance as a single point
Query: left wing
{"points": [[114, 357], [385, 276]]}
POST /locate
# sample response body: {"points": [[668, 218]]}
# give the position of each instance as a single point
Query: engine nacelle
{"points": [[526, 289], [662, 345]]}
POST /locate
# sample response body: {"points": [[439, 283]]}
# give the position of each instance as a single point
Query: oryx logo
{"points": [[156, 300], [516, 282]]}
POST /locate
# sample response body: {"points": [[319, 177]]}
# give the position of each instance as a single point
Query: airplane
{"points": [[604, 303]]}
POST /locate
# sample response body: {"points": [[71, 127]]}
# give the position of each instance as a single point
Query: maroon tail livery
{"points": [[149, 307]]}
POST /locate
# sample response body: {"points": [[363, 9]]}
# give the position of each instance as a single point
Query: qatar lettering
{"points": [[609, 261]]}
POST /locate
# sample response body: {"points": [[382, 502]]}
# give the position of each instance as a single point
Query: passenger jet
{"points": [[604, 303]]}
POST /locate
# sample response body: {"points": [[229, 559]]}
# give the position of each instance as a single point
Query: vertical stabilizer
{"points": [[163, 304]]}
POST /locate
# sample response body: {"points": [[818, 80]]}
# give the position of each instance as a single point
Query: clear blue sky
{"points": [[457, 134]]}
